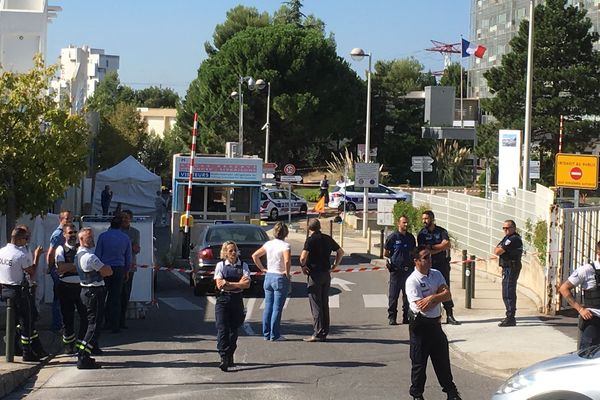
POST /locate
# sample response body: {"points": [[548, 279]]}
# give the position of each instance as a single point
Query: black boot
{"points": [[508, 321], [231, 362], [38, 349], [29, 355], [224, 364], [450, 320]]}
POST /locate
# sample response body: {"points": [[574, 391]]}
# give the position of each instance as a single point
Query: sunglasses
{"points": [[506, 227], [72, 232]]}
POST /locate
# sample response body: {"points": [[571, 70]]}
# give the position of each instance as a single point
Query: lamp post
{"points": [[358, 54], [251, 85], [260, 85], [528, 99]]}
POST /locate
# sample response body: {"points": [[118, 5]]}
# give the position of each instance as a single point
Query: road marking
{"points": [[180, 304], [181, 277], [249, 308], [334, 301], [342, 283], [211, 299], [287, 300], [375, 300]]}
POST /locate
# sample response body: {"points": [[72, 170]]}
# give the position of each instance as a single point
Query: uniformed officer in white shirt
{"points": [[588, 277], [426, 289], [16, 263], [93, 294]]}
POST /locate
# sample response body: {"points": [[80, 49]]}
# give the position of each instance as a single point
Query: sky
{"points": [[161, 43]]}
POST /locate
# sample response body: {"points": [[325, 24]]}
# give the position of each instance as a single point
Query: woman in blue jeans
{"points": [[277, 280]]}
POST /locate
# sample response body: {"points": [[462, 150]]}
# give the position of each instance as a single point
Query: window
{"points": [[217, 199], [240, 199]]}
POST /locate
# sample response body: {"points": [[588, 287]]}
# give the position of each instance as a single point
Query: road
{"points": [[172, 353]]}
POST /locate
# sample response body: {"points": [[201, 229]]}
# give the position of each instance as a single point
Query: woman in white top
{"points": [[277, 280]]}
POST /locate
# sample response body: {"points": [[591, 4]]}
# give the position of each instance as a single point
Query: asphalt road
{"points": [[172, 353]]}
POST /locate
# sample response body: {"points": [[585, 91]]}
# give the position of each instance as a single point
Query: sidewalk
{"points": [[479, 344]]}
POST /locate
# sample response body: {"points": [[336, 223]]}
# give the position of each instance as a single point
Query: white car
{"points": [[353, 196], [275, 202]]}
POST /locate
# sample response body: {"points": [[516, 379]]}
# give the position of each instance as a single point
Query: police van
{"points": [[275, 203], [353, 197]]}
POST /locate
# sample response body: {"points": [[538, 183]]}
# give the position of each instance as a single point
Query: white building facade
{"points": [[81, 70], [23, 32]]}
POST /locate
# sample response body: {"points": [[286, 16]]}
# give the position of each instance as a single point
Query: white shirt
{"points": [[221, 266], [419, 286], [275, 261], [59, 256], [13, 261], [88, 262], [585, 277]]}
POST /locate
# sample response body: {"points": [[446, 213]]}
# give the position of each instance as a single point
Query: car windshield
{"points": [[239, 234]]}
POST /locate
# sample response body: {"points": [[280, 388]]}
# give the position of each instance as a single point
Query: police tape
{"points": [[298, 272]]}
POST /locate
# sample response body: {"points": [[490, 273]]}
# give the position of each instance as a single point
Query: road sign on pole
{"points": [[421, 164], [289, 169]]}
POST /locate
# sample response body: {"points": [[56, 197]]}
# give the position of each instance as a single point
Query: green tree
{"points": [[155, 156], [315, 96], [397, 121], [237, 19], [156, 97], [42, 147], [566, 81], [451, 77]]}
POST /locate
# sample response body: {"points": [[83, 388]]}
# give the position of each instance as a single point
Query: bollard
{"points": [[10, 331], [369, 241], [306, 225], [185, 245], [331, 227], [464, 268], [473, 276], [468, 285], [381, 243]]}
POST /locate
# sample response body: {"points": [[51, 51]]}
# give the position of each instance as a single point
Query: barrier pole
{"points": [[468, 285], [10, 331], [381, 242], [331, 227], [473, 262], [185, 250], [464, 268], [368, 240]]}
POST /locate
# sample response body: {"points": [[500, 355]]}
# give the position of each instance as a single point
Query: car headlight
{"points": [[516, 382]]}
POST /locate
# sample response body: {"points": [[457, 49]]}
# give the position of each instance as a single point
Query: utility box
{"points": [[232, 149], [439, 105]]}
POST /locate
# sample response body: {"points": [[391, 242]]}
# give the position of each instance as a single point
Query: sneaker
{"points": [[507, 322], [279, 339]]}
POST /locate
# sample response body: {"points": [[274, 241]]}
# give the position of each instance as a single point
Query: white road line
{"points": [[249, 308], [211, 299], [180, 304], [334, 301], [375, 300], [287, 301], [181, 277]]}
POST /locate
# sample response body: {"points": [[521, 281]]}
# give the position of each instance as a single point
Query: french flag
{"points": [[471, 49]]}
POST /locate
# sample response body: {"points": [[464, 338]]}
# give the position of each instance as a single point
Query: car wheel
{"points": [[274, 214], [351, 207], [303, 209]]}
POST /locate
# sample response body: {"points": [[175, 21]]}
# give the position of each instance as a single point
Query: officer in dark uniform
{"points": [[232, 276], [69, 290], [400, 264], [510, 250], [436, 239], [586, 276]]}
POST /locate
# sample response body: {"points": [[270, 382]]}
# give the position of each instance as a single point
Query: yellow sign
{"points": [[577, 171]]}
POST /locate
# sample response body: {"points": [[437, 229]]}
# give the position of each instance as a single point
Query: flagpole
{"points": [[461, 83]]}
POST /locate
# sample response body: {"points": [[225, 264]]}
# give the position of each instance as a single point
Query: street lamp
{"points": [[358, 54], [260, 85], [251, 85]]}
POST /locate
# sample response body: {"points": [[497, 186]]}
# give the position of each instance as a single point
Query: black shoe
{"points": [[392, 321], [224, 364], [454, 396], [418, 398], [231, 361], [87, 363], [30, 356], [508, 322], [313, 339], [450, 320]]}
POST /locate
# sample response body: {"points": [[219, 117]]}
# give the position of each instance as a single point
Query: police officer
{"points": [[232, 276], [15, 263], [510, 250], [91, 272], [588, 277], [324, 188], [436, 239], [426, 288], [69, 290], [398, 247]]}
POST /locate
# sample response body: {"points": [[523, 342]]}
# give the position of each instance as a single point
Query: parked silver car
{"points": [[573, 376]]}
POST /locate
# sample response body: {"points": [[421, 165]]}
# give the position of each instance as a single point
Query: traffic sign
{"points": [[422, 160], [289, 169], [421, 168], [366, 175], [577, 171], [269, 165], [290, 178]]}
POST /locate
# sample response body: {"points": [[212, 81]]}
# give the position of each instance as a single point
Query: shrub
{"points": [[413, 213]]}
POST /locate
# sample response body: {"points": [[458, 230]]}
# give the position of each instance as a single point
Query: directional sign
{"points": [[422, 160], [290, 178], [269, 165], [419, 168], [289, 169], [576, 171]]}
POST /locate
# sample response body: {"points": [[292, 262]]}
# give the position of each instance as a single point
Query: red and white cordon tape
{"points": [[298, 272]]}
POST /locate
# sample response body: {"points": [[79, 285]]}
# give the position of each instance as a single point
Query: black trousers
{"points": [[114, 287], [21, 301], [397, 283], [444, 268], [590, 332], [69, 295], [93, 299], [427, 339], [509, 288], [318, 297], [229, 316], [125, 296]]}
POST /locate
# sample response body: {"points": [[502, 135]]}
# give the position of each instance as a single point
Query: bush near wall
{"points": [[413, 213]]}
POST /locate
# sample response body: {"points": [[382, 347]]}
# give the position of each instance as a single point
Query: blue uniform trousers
{"points": [[509, 288], [229, 316], [397, 284], [590, 332]]}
